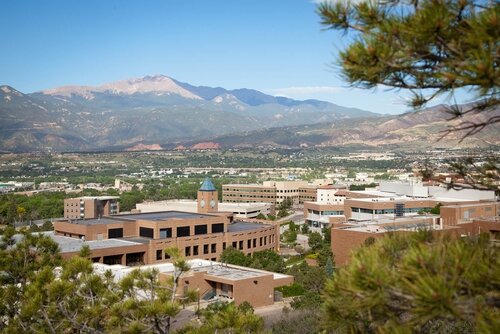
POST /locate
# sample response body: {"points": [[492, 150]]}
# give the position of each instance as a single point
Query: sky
{"points": [[275, 46]]}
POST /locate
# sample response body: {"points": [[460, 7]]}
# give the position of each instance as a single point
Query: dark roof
{"points": [[162, 215], [96, 221], [244, 226], [207, 185], [139, 216]]}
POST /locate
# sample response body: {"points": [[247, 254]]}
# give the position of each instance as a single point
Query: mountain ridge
{"points": [[158, 111]]}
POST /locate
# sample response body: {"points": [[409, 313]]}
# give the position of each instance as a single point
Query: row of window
{"points": [[182, 231], [74, 204], [212, 248], [389, 211], [74, 210], [245, 195], [207, 249], [249, 190]]}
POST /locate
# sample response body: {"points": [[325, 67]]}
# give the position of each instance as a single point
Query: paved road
{"points": [[184, 317]]}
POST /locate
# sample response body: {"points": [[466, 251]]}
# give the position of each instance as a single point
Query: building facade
{"points": [[248, 193], [91, 207]]}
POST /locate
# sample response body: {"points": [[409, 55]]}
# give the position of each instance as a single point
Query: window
{"points": [[165, 233], [195, 250], [115, 233], [187, 251], [235, 244], [218, 228], [260, 241], [223, 245], [183, 231], [159, 254], [249, 244], [265, 240], [200, 229], [241, 245], [213, 248], [146, 232], [254, 243], [205, 249]]}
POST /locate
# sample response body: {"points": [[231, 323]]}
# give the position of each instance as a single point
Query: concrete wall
{"points": [[463, 194], [405, 189]]}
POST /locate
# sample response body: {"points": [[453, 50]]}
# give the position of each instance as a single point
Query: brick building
{"points": [[142, 238], [466, 219], [214, 280]]}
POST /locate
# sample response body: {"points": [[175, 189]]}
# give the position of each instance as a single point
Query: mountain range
{"points": [[141, 111], [155, 112]]}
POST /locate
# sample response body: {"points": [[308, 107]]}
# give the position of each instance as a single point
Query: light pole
{"points": [[198, 311]]}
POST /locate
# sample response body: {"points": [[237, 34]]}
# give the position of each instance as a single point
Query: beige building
{"points": [[286, 189], [274, 192], [248, 193], [90, 207], [322, 215], [307, 194]]}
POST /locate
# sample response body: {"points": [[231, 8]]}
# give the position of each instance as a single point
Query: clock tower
{"points": [[207, 197]]}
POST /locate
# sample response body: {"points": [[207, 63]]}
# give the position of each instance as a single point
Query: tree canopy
{"points": [[417, 283], [429, 47], [41, 293]]}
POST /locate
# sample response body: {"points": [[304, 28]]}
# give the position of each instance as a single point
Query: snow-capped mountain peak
{"points": [[158, 84]]}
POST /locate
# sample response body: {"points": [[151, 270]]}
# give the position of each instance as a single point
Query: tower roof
{"points": [[207, 185]]}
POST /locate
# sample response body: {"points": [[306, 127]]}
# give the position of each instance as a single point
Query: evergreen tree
{"points": [[430, 47], [40, 293], [417, 283], [329, 267]]}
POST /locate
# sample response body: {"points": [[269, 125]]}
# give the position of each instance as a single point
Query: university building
{"points": [[466, 219], [131, 239], [274, 192], [90, 207]]}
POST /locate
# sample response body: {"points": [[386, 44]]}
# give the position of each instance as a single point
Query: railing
{"points": [[209, 295]]}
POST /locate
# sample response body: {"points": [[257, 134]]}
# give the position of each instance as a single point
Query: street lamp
{"points": [[198, 311]]}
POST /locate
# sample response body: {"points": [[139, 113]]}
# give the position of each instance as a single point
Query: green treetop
{"points": [[417, 283], [430, 47]]}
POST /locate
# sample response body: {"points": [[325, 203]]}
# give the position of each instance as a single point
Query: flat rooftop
{"points": [[102, 198], [70, 245], [93, 221], [212, 268], [386, 225], [250, 185], [194, 204], [471, 205], [164, 215], [390, 227], [451, 199], [227, 272], [373, 192], [152, 216], [238, 226], [390, 199]]}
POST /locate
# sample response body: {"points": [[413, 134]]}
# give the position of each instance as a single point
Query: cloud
{"points": [[307, 90]]}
